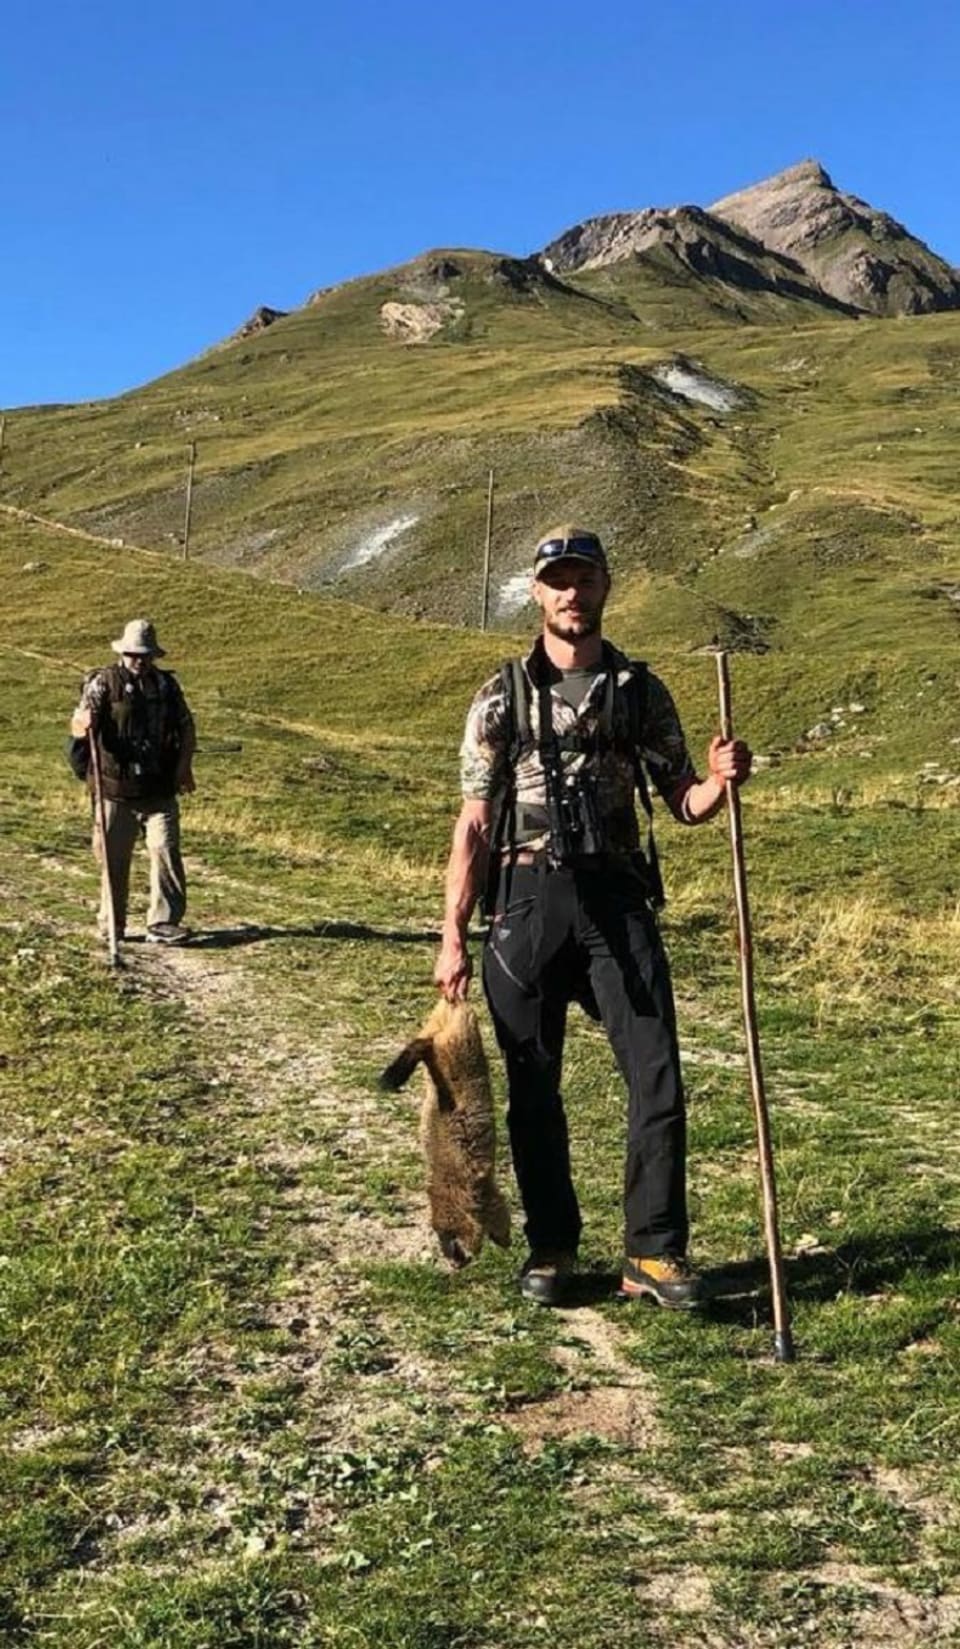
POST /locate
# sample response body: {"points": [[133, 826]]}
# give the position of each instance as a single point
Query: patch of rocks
{"points": [[262, 318], [416, 323], [822, 730], [514, 594], [690, 381], [373, 544], [935, 773]]}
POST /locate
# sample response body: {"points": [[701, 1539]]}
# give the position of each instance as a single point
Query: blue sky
{"points": [[167, 168]]}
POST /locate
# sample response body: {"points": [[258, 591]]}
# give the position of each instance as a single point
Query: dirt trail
{"points": [[609, 1396], [278, 1073]]}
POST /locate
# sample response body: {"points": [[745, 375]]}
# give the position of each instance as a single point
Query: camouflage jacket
{"points": [[610, 766]]}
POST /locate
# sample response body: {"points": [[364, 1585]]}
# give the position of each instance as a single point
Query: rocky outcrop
{"points": [[433, 274], [704, 245], [858, 254], [261, 318], [415, 323]]}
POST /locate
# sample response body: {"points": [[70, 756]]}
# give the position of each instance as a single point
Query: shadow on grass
{"points": [[739, 1292], [250, 933], [590, 1288], [862, 1267]]}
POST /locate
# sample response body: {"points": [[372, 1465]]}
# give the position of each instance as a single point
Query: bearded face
{"points": [[572, 595]]}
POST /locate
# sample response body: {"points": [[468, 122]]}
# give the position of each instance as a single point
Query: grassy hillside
{"points": [[331, 455], [243, 1402]]}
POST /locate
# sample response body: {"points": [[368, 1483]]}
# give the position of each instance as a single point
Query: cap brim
{"points": [[138, 652], [556, 560]]}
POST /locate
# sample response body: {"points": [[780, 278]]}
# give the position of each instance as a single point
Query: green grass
{"points": [[244, 1403]]}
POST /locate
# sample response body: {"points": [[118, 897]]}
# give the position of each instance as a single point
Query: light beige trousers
{"points": [[159, 823]]}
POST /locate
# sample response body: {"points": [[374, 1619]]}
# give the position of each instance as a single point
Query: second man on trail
{"points": [[557, 748], [145, 740]]}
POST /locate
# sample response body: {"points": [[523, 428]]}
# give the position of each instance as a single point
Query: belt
{"points": [[586, 861]]}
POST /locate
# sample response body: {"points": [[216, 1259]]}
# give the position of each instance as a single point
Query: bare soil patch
{"points": [[609, 1396]]}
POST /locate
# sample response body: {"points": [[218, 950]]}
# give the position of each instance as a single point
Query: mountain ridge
{"points": [[794, 230], [793, 235], [730, 428]]}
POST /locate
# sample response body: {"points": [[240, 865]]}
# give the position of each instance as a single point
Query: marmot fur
{"points": [[457, 1131]]}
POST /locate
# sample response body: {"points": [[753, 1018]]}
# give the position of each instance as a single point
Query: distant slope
{"points": [[847, 631]]}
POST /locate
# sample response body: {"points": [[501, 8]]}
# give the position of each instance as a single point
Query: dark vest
{"points": [[139, 740]]}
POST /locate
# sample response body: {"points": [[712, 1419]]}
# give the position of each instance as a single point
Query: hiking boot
{"points": [[167, 933], [667, 1278], [546, 1274]]}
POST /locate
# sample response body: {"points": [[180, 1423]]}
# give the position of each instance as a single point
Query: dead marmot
{"points": [[457, 1131]]}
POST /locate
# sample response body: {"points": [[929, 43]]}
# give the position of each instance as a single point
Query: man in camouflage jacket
{"points": [[573, 915]]}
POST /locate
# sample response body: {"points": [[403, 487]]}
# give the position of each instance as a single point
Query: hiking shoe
{"points": [[667, 1278], [167, 933], [546, 1274]]}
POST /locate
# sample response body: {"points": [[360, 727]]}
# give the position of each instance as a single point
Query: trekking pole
{"points": [[113, 947], [783, 1350]]}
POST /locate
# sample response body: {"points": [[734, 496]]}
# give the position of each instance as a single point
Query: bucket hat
{"points": [[139, 636], [569, 543]]}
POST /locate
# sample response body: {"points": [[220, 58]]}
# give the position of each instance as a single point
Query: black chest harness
{"points": [[571, 819]]}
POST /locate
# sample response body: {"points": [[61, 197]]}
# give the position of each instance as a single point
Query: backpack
{"points": [[132, 765], [515, 688], [77, 753]]}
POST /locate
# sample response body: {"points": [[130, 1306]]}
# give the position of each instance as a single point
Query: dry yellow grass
{"points": [[857, 955]]}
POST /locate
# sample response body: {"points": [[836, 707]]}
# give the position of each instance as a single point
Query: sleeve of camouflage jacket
{"points": [[664, 751], [483, 753]]}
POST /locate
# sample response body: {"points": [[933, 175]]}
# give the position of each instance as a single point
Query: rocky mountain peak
{"points": [[794, 210], [794, 233], [858, 254], [805, 171]]}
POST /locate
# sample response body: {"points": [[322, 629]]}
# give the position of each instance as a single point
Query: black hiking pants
{"points": [[587, 935]]}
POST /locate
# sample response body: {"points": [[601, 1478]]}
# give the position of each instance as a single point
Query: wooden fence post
{"points": [[192, 450], [485, 606]]}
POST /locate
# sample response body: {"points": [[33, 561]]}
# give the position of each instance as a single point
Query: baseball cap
{"points": [[568, 543]]}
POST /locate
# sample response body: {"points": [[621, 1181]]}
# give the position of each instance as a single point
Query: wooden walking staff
{"points": [[113, 946], [783, 1338]]}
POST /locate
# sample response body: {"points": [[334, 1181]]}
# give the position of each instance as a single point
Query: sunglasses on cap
{"points": [[577, 549]]}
